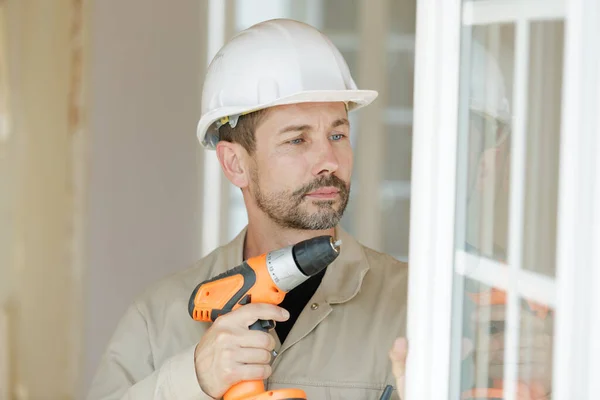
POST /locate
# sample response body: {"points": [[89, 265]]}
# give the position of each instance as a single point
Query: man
{"points": [[275, 107]]}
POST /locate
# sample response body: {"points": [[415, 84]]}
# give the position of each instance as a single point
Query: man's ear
{"points": [[231, 157]]}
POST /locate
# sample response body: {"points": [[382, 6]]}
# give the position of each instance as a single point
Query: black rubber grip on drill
{"points": [[249, 280], [263, 325]]}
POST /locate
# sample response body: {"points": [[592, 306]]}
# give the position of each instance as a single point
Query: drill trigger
{"points": [[262, 325], [247, 299]]}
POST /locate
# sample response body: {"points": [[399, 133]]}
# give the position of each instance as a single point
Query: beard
{"points": [[286, 207]]}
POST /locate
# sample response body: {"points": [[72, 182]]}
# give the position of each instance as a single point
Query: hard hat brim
{"points": [[354, 98]]}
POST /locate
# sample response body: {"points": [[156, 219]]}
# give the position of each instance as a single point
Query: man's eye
{"points": [[296, 141], [337, 136]]}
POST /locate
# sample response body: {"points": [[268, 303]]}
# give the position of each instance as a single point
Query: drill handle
{"points": [[254, 389], [262, 325]]}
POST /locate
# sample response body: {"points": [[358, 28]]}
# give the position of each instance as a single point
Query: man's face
{"points": [[302, 165]]}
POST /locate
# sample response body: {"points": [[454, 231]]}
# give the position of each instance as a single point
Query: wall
{"points": [[41, 198], [147, 59]]}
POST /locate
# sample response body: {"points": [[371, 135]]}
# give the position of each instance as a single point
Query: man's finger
{"points": [[256, 340], [250, 313], [398, 355]]}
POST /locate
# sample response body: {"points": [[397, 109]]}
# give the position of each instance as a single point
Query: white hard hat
{"points": [[273, 63]]}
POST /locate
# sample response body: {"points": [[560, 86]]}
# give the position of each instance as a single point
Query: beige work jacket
{"points": [[337, 349]]}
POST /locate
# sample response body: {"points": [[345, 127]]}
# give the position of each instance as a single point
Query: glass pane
{"points": [[543, 141], [535, 351], [483, 352], [482, 344], [486, 121], [484, 141]]}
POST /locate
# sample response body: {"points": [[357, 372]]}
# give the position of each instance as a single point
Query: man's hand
{"points": [[230, 353], [398, 355]]}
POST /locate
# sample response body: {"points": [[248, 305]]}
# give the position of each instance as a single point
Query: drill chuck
{"points": [[313, 255], [292, 265]]}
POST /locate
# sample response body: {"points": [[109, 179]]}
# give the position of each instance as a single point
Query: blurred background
{"points": [[104, 188]]}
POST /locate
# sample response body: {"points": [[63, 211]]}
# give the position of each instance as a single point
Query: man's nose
{"points": [[326, 161]]}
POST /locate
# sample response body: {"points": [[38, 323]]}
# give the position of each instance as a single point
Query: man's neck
{"points": [[262, 238]]}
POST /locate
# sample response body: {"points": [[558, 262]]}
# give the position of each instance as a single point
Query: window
{"points": [[503, 266]]}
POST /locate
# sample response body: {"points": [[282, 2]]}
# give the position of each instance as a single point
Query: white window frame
{"points": [[432, 364], [577, 323], [433, 199]]}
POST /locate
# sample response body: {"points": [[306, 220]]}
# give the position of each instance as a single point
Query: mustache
{"points": [[324, 181]]}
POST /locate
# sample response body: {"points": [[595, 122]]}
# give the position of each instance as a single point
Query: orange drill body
{"points": [[230, 290], [262, 279]]}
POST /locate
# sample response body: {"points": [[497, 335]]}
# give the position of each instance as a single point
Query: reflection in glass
{"points": [[481, 348], [483, 352], [485, 141], [486, 120], [536, 350]]}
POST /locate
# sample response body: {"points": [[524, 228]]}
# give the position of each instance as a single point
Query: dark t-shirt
{"points": [[295, 301]]}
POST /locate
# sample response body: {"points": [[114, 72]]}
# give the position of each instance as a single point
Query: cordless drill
{"points": [[262, 279]]}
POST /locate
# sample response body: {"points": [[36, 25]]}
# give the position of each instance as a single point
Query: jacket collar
{"points": [[344, 276], [342, 280]]}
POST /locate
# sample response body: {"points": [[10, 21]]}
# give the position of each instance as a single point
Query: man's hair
{"points": [[244, 132]]}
